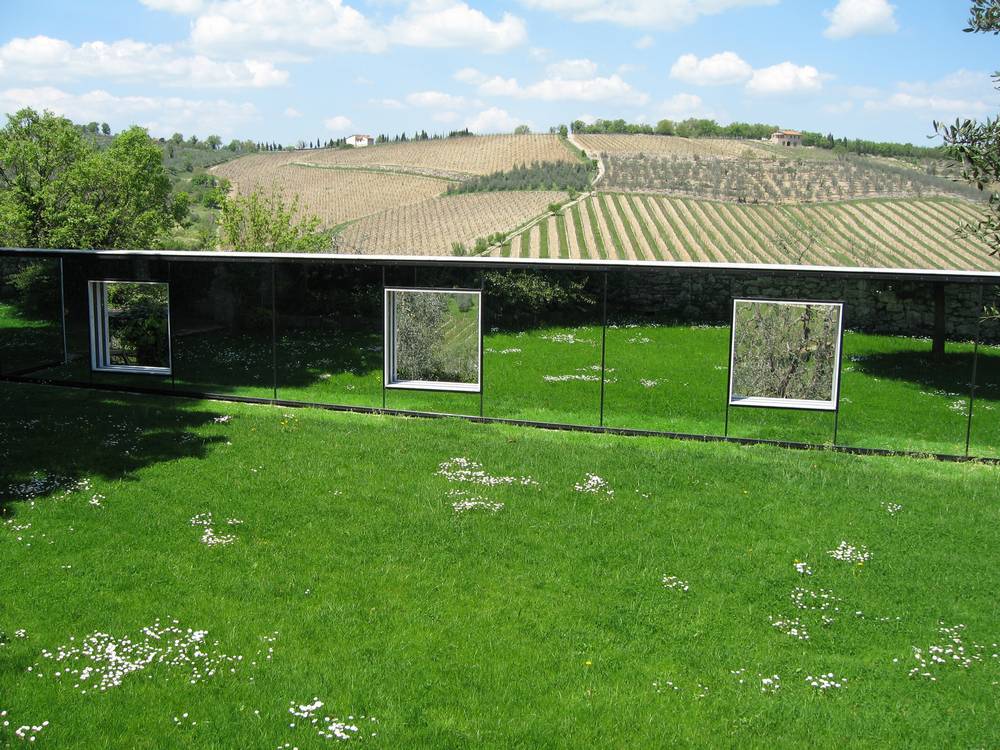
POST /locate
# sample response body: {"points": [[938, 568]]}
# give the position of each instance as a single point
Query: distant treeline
{"points": [[702, 128], [535, 176]]}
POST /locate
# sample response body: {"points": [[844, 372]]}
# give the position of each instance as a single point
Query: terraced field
{"points": [[431, 226], [473, 155], [777, 180], [334, 195], [666, 145], [882, 233]]}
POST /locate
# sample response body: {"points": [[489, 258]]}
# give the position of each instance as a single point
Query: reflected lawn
{"points": [[668, 378]]}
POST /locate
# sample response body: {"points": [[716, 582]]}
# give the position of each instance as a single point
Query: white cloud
{"points": [[930, 104], [387, 103], [185, 7], [682, 106], [575, 69], [856, 17], [471, 76], [493, 120], [785, 78], [664, 14], [644, 42], [964, 93], [296, 29], [587, 119], [449, 23], [292, 112], [338, 124], [285, 28], [611, 88], [160, 115], [43, 58], [435, 100], [717, 70]]}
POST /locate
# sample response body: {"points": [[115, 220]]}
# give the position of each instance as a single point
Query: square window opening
{"points": [[785, 354], [433, 339], [130, 327]]}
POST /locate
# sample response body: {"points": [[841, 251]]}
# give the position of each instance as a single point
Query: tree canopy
{"points": [[57, 189], [976, 145], [264, 222]]}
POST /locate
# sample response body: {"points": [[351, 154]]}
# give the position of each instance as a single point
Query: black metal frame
{"points": [[482, 264]]}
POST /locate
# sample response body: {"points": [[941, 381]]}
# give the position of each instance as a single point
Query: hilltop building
{"points": [[787, 138], [360, 141]]}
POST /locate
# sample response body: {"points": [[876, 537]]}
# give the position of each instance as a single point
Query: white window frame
{"points": [[100, 335], [788, 403], [389, 344]]}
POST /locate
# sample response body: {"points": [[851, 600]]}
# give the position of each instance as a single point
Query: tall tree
{"points": [[213, 142], [976, 145], [59, 190]]}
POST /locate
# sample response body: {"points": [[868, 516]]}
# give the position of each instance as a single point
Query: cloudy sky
{"points": [[286, 70]]}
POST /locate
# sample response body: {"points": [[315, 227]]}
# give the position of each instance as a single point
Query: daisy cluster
{"points": [[849, 553], [512, 350], [594, 484], [209, 537], [464, 470], [892, 508], [825, 682], [661, 685], [97, 499], [673, 582], [100, 661], [566, 338], [42, 483], [224, 419], [649, 383], [770, 684], [820, 600], [802, 568], [950, 649], [330, 727], [27, 732], [791, 626], [476, 503], [639, 340], [590, 374]]}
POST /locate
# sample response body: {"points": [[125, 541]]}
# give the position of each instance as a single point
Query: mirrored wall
{"points": [[865, 360]]}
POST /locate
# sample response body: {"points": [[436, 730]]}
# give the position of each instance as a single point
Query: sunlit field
{"points": [[214, 575]]}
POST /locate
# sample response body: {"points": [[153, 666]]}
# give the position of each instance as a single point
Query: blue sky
{"points": [[286, 70]]}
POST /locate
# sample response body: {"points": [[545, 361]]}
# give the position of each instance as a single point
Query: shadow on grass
{"points": [[51, 439], [950, 375]]}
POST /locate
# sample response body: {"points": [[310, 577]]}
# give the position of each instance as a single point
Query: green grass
{"points": [[544, 625], [893, 394]]}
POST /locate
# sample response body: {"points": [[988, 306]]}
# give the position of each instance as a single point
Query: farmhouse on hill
{"points": [[360, 141], [787, 138]]}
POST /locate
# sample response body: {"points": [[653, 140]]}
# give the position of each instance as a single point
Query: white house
{"points": [[360, 141], [787, 138]]}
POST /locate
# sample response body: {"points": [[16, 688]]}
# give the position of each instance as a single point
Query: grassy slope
{"points": [[543, 626]]}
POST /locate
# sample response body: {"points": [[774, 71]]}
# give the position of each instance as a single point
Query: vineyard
{"points": [[756, 180], [432, 226], [473, 155], [334, 195], [917, 233], [666, 145]]}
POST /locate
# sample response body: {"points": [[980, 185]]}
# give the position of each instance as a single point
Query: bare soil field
{"points": [[430, 227], [334, 195]]}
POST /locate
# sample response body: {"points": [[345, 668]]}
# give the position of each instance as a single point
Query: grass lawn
{"points": [[544, 624], [667, 378]]}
